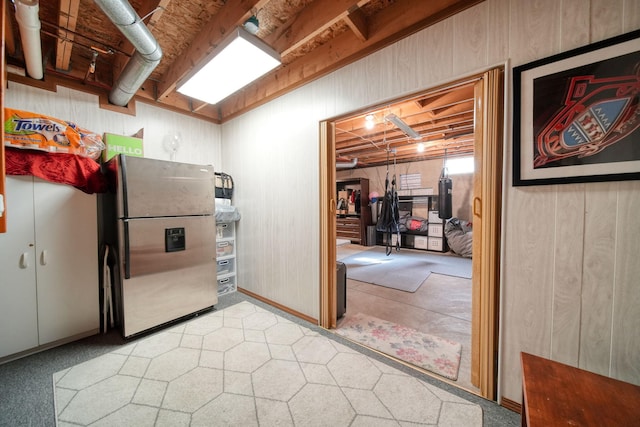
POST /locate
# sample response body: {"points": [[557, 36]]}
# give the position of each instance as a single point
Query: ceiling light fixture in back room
{"points": [[237, 61], [400, 124]]}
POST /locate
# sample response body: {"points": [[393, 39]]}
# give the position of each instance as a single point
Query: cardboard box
{"points": [[119, 144]]}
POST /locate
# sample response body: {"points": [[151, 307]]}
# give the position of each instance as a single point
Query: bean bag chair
{"points": [[459, 236]]}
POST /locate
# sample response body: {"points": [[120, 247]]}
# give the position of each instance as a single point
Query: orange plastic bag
{"points": [[23, 129]]}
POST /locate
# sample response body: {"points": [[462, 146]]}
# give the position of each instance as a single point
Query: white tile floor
{"points": [[247, 366]]}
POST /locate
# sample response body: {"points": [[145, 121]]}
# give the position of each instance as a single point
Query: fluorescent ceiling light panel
{"points": [[400, 124], [237, 61]]}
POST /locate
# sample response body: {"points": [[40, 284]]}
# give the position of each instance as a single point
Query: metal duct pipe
{"points": [[29, 24], [345, 165], [146, 58]]}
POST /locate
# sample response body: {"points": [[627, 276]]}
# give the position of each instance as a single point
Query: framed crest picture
{"points": [[577, 115]]}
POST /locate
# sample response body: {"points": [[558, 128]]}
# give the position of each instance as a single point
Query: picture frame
{"points": [[576, 115]]}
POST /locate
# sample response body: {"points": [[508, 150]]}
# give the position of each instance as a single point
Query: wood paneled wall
{"points": [[200, 139], [569, 273]]}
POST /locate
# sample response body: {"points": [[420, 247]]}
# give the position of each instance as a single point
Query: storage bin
{"points": [[224, 230], [225, 266], [435, 244], [227, 285], [435, 230], [433, 217], [420, 242], [224, 248]]}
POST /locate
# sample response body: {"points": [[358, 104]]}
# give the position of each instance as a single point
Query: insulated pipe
{"points": [[29, 24], [146, 58]]}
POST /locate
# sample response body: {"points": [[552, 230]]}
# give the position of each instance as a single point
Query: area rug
{"points": [[247, 366], [437, 355], [403, 270]]}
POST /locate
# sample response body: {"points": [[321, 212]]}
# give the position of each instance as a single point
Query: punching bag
{"points": [[444, 195]]}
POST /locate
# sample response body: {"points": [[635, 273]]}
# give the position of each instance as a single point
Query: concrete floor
{"points": [[440, 307]]}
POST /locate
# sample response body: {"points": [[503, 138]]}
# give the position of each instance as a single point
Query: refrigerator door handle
{"points": [[127, 255]]}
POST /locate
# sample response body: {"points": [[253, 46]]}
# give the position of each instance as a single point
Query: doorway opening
{"points": [[459, 119]]}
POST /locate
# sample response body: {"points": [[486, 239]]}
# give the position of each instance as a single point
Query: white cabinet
{"points": [[226, 257], [49, 285], [18, 306]]}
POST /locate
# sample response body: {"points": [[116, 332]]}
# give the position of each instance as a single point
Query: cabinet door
{"points": [[18, 308], [67, 261]]}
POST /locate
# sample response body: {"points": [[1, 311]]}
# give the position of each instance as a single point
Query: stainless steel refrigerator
{"points": [[161, 218]]}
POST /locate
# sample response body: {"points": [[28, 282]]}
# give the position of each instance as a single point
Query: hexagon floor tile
{"points": [[245, 366]]}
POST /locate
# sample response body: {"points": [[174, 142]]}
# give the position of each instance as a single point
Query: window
{"points": [[460, 165]]}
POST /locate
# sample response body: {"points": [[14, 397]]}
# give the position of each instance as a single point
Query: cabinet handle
{"points": [[332, 206], [43, 257], [24, 260], [477, 207]]}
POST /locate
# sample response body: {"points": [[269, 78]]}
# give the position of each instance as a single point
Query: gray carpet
{"points": [[403, 270]]}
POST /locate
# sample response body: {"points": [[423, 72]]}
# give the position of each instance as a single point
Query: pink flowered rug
{"points": [[432, 353]]}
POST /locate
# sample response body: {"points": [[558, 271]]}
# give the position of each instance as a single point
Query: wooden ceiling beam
{"points": [[452, 109], [357, 21], [159, 8], [349, 143], [315, 18], [359, 136], [176, 101], [402, 18], [8, 38], [67, 20], [409, 154], [445, 99], [231, 15]]}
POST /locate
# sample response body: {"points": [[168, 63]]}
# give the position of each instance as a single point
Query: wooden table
{"points": [[555, 394]]}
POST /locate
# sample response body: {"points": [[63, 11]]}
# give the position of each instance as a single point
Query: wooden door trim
{"points": [[486, 294], [328, 296], [487, 220], [3, 71]]}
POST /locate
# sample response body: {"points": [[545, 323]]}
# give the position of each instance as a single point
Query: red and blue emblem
{"points": [[597, 113]]}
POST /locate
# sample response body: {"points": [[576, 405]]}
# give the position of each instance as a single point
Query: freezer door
{"points": [[151, 188], [168, 270]]}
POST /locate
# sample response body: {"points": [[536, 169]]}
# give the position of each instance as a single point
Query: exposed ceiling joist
{"points": [[231, 15], [82, 48], [444, 119], [357, 21], [399, 20], [317, 17], [67, 20]]}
